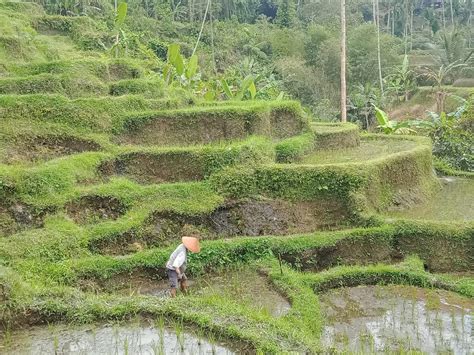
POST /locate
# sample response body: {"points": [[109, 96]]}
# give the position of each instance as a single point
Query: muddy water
{"points": [[244, 286], [397, 318], [453, 202], [118, 339]]}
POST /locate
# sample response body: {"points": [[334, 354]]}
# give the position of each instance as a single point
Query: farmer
{"points": [[176, 265]]}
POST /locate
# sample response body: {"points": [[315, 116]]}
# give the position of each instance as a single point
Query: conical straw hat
{"points": [[192, 244]]}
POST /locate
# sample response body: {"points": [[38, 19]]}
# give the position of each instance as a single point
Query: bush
{"points": [[454, 145]]}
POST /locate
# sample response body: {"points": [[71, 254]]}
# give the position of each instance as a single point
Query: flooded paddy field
{"points": [[143, 337], [245, 286], [452, 202], [370, 319]]}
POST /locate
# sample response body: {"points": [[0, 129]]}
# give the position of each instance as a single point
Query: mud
{"points": [[141, 281], [48, 147], [18, 217], [372, 319], [234, 218], [141, 338], [91, 209]]}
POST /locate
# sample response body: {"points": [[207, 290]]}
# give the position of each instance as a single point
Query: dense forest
{"points": [[294, 47]]}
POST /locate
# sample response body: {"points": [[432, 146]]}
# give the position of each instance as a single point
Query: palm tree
{"points": [[438, 77]]}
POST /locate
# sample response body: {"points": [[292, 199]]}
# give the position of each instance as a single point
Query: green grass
{"points": [[57, 81], [369, 149]]}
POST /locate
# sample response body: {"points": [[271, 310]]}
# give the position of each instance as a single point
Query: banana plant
{"points": [[238, 92], [121, 39], [402, 82], [180, 69], [392, 127]]}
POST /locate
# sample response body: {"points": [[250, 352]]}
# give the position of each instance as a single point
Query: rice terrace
{"points": [[179, 178]]}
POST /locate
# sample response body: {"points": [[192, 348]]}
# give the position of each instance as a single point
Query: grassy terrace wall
{"points": [[335, 135], [107, 70], [397, 178], [442, 247], [203, 125], [321, 136], [79, 209], [155, 165], [91, 114], [53, 182]]}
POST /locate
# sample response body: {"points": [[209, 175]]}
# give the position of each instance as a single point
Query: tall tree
{"points": [[379, 56], [343, 63], [286, 13], [452, 12]]}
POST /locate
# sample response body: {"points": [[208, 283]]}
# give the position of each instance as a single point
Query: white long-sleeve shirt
{"points": [[178, 258]]}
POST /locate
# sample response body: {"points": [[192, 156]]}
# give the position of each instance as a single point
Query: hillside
{"points": [[105, 163]]}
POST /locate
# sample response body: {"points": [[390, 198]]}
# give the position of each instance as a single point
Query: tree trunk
{"points": [[191, 10], [452, 12], [117, 35], [444, 16], [212, 39], [393, 22], [379, 56], [412, 15], [388, 19], [470, 30], [343, 63]]}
